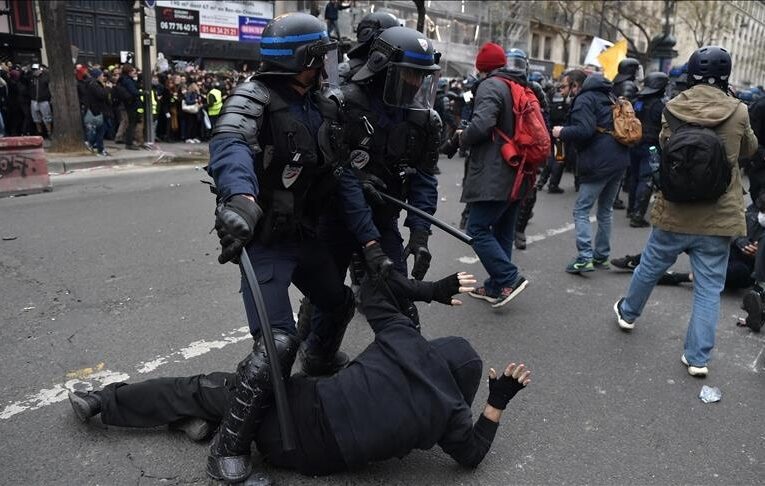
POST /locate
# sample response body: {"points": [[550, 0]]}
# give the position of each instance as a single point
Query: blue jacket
{"points": [[600, 156]]}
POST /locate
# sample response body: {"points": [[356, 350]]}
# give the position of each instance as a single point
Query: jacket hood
{"points": [[703, 105], [596, 82]]}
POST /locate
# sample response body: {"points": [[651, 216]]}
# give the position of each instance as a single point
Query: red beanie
{"points": [[490, 57]]}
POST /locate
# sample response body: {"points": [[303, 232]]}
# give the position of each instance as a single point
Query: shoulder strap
{"points": [[673, 122]]}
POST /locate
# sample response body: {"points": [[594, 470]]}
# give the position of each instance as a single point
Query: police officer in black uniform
{"points": [[276, 158], [393, 135], [648, 108], [630, 72], [369, 28]]}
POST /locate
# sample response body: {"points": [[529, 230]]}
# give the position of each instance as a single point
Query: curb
{"points": [[63, 164]]}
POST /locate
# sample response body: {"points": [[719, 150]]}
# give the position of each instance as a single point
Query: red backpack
{"points": [[530, 145]]}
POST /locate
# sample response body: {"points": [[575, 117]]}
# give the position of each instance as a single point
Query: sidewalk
{"points": [[160, 154]]}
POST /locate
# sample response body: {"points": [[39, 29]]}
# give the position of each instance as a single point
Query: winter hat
{"points": [[491, 56], [96, 73], [81, 72]]}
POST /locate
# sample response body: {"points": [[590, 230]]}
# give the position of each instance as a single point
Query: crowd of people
{"points": [[185, 102], [310, 188]]}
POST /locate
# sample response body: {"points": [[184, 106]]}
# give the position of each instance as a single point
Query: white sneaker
{"points": [[699, 371], [623, 323]]}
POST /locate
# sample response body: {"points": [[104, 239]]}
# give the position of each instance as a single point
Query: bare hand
{"points": [[517, 372], [556, 131], [750, 249], [467, 283]]}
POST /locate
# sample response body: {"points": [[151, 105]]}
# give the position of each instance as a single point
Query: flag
{"points": [[597, 46], [611, 57]]}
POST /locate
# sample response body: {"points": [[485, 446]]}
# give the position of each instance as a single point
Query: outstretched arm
{"points": [[467, 443]]}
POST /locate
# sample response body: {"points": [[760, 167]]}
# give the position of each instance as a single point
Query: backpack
{"points": [[627, 128], [530, 145], [694, 166]]}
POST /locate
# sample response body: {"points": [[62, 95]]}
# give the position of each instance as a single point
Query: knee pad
{"points": [[254, 369]]}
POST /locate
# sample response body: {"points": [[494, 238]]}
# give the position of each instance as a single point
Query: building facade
{"points": [[20, 39]]}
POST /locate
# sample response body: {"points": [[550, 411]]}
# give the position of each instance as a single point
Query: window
{"points": [[535, 45], [583, 48], [548, 48]]}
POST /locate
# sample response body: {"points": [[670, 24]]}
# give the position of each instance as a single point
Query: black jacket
{"points": [[96, 97], [40, 87], [428, 388], [648, 110]]}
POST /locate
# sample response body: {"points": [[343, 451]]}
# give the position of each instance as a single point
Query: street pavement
{"points": [[113, 276]]}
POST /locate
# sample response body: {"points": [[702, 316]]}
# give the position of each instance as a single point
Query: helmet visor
{"points": [[517, 65], [324, 56], [410, 88]]}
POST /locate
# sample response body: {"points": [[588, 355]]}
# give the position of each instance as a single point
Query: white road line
{"points": [[753, 366], [530, 239]]}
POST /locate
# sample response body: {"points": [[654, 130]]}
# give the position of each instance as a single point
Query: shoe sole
{"points": [[79, 405], [753, 307], [514, 294], [574, 271], [696, 371], [627, 326], [488, 299]]}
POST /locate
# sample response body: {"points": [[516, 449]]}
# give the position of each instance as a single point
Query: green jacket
{"points": [[710, 107]]}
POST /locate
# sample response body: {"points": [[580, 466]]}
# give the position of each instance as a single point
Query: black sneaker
{"points": [[619, 204], [753, 307], [85, 404], [520, 241], [629, 262], [555, 190], [637, 222]]}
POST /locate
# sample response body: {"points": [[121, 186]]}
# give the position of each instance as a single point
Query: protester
{"points": [[331, 15], [704, 228], [601, 162], [40, 99], [127, 92], [425, 387], [96, 104], [487, 186]]}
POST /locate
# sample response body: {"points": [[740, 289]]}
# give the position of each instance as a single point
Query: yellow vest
{"points": [[140, 108], [214, 109], [154, 108]]}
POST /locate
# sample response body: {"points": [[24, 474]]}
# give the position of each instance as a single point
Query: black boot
{"points": [[325, 358], [229, 458], [85, 404], [753, 305]]}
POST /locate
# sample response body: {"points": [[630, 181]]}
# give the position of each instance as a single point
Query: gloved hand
{"points": [[372, 185], [504, 387], [418, 246], [450, 146], [235, 223], [377, 261], [444, 289]]}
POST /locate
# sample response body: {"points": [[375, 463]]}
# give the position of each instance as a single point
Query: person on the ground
{"points": [[489, 180], [331, 15], [393, 136], [270, 201], [40, 95], [96, 103], [702, 228], [601, 162], [403, 392], [648, 108]]}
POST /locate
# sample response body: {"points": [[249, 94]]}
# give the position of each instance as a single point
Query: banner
{"points": [[241, 21], [611, 57]]}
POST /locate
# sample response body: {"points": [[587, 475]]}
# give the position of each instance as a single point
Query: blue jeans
{"points": [[492, 226], [95, 129], [709, 261], [604, 192]]}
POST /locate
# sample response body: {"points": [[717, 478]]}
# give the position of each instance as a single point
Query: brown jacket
{"points": [[710, 107]]}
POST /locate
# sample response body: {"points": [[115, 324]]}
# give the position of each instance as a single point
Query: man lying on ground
{"points": [[403, 392]]}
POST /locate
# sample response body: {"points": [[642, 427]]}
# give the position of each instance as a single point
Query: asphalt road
{"points": [[113, 276]]}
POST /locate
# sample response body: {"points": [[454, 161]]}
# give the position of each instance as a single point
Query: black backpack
{"points": [[694, 166]]}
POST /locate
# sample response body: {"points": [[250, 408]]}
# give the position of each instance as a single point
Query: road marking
{"points": [[85, 372], [754, 363]]}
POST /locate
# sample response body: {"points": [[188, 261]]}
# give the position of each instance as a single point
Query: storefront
{"points": [[223, 34], [19, 42]]}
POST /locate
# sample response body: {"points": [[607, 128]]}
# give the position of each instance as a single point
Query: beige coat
{"points": [[710, 107]]}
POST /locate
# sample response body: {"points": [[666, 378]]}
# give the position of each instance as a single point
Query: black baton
{"points": [[286, 426], [433, 220]]}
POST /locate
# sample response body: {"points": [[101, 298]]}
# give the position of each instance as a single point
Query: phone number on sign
{"points": [[177, 26], [218, 30]]}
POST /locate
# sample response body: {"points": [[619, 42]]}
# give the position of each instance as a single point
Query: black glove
{"points": [[502, 389], [377, 261], [235, 223], [446, 288], [372, 185], [450, 146], [418, 246]]}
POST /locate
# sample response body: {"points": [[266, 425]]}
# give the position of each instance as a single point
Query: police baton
{"points": [[286, 427], [433, 220]]}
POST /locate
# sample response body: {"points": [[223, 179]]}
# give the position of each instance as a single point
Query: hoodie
{"points": [[600, 156], [710, 107]]}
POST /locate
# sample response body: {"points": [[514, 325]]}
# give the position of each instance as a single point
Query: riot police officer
{"points": [[369, 28], [393, 134], [630, 72], [648, 108], [275, 158]]}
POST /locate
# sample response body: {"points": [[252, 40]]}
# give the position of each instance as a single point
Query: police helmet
{"points": [[373, 23], [536, 77], [746, 96], [410, 63], [629, 68], [294, 42], [517, 63], [654, 83], [710, 64]]}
